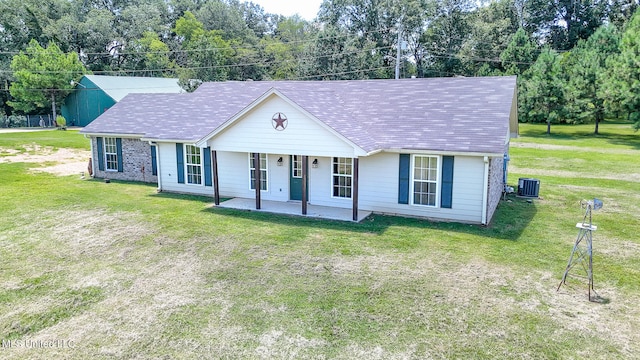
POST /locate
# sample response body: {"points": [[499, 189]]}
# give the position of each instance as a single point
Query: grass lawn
{"points": [[101, 271]]}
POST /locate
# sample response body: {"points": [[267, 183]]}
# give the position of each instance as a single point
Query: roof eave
{"points": [[439, 152], [159, 140], [108, 134]]}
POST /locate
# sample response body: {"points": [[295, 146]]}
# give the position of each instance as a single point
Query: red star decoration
{"points": [[279, 121]]}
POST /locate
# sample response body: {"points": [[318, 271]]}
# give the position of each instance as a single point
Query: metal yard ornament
{"points": [[582, 253]]}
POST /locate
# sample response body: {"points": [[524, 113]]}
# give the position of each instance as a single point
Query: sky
{"points": [[308, 9]]}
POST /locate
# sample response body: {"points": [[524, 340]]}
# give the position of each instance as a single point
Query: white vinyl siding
{"points": [[110, 154], [425, 177], [167, 172], [342, 176], [303, 135], [193, 164], [378, 189], [263, 172]]}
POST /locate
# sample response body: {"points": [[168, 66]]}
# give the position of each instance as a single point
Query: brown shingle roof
{"points": [[441, 114]]}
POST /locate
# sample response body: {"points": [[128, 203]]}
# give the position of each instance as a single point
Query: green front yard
{"points": [[119, 271]]}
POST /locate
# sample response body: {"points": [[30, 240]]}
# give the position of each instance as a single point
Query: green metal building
{"points": [[94, 94]]}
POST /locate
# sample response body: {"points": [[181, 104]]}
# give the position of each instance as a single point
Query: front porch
{"points": [[294, 208]]}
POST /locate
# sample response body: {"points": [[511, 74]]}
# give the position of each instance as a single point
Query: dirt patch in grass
{"points": [[615, 202], [634, 177], [275, 344], [527, 145], [160, 302], [142, 282], [62, 161], [487, 288], [619, 249]]}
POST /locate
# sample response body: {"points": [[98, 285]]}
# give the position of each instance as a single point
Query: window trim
{"points": [[296, 169], [438, 180], [106, 141], [333, 176], [187, 164], [266, 172]]}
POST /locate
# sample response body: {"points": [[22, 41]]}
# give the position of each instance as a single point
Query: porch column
{"points": [[305, 173], [256, 183], [216, 189], [354, 189]]}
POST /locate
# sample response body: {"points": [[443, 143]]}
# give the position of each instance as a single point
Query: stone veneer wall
{"points": [[496, 185], [136, 162]]}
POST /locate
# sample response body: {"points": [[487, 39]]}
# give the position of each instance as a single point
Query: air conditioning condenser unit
{"points": [[528, 187]]}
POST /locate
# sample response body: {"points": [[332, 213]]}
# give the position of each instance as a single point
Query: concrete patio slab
{"points": [[294, 208]]}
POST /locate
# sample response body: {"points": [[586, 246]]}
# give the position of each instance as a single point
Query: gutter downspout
{"points": [[485, 191]]}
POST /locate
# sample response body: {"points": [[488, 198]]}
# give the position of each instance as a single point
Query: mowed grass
{"points": [[25, 141], [119, 271]]}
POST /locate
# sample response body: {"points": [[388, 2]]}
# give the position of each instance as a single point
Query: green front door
{"points": [[295, 182]]}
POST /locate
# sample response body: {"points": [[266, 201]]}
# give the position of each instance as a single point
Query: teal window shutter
{"points": [[207, 167], [447, 182], [180, 162], [403, 178], [119, 153], [100, 146], [154, 161]]}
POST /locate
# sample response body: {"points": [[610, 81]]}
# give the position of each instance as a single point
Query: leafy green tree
{"points": [[445, 36], [375, 24], [281, 53], [188, 27], [43, 77], [542, 99], [414, 17], [623, 83], [150, 56], [256, 19], [491, 28], [586, 69], [95, 33], [244, 62], [140, 17], [24, 20], [227, 19], [561, 23], [336, 55], [204, 55], [621, 11], [519, 54]]}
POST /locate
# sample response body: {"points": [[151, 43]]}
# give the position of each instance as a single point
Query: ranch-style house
{"points": [[433, 148]]}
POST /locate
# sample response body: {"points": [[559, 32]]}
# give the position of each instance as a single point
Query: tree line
{"points": [[577, 61]]}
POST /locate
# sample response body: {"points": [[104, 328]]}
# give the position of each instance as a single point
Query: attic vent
{"points": [[528, 187]]}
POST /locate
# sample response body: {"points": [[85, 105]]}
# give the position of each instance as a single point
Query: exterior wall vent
{"points": [[528, 187]]}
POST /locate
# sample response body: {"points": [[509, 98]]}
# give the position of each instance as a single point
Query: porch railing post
{"points": [[216, 188], [256, 166], [354, 191], [305, 173]]}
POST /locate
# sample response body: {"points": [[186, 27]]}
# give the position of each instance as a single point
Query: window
{"points": [[194, 164], [425, 180], [263, 172], [296, 166], [111, 153], [342, 176]]}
